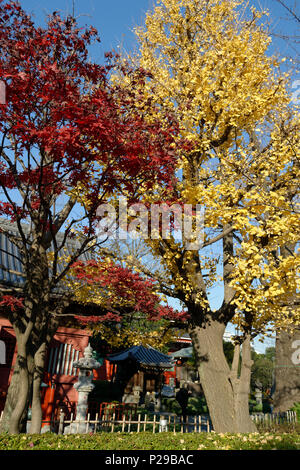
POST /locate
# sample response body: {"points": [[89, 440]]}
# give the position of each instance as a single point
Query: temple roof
{"points": [[11, 266], [184, 352], [143, 356]]}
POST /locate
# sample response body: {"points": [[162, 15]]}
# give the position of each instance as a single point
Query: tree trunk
{"points": [[25, 386], [244, 422], [34, 328], [31, 330], [39, 361], [227, 395], [20, 391], [16, 391], [287, 370], [18, 397], [13, 394]]}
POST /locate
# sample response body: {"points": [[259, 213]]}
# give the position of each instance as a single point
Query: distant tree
{"points": [[262, 371], [270, 353]]}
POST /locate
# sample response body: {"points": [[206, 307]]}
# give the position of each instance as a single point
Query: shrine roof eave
{"points": [[163, 365], [160, 365]]}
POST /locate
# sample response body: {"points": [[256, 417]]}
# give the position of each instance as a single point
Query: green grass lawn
{"points": [[150, 441]]}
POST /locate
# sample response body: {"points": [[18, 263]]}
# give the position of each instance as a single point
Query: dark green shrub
{"points": [[171, 405], [197, 406], [149, 441], [257, 408], [252, 404]]}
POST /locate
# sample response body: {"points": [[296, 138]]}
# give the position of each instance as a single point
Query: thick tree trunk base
{"points": [[226, 396], [17, 399], [287, 371]]}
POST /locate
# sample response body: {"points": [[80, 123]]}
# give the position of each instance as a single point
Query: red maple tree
{"points": [[137, 293], [68, 141]]}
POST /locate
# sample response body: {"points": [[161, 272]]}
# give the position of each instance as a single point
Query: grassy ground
{"points": [[149, 441]]}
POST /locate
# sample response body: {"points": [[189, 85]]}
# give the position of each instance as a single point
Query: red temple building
{"points": [[66, 347]]}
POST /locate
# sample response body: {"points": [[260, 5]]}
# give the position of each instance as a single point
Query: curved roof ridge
{"points": [[142, 355]]}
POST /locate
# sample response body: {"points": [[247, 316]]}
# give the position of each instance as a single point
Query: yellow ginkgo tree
{"points": [[238, 158]]}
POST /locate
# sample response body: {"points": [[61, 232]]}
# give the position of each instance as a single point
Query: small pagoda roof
{"points": [[144, 356]]}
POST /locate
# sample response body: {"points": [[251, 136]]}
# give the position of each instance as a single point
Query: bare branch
{"points": [[292, 12]]}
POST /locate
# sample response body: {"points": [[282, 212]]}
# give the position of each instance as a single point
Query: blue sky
{"points": [[115, 20]]}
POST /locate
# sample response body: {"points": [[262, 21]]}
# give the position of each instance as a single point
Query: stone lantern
{"points": [[84, 386]]}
